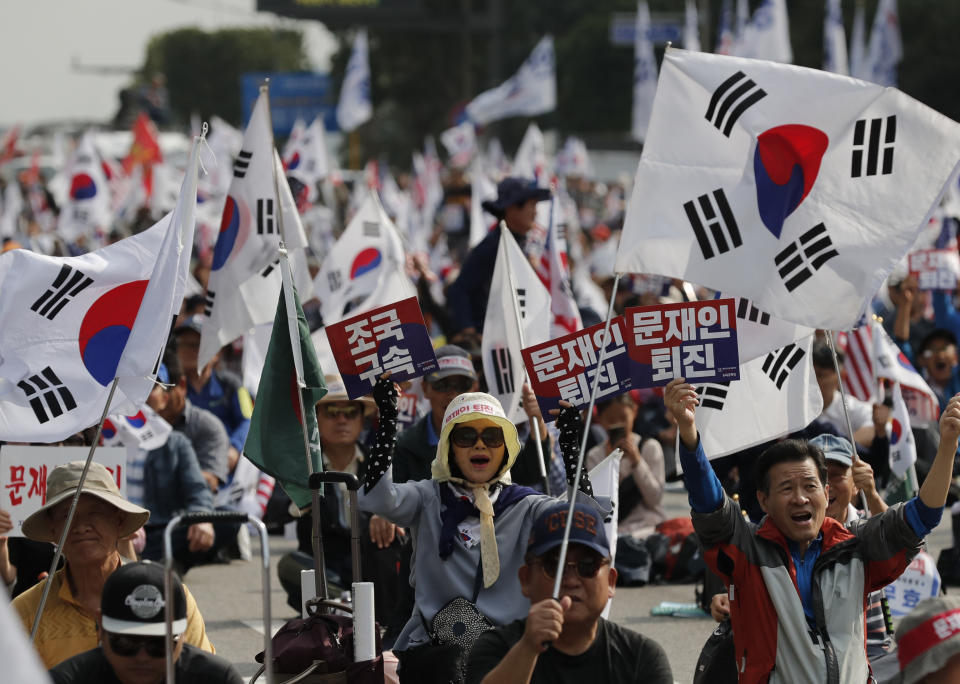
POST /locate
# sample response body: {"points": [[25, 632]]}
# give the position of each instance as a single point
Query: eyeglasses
{"points": [[454, 383], [350, 411], [127, 646], [466, 437], [586, 568]]}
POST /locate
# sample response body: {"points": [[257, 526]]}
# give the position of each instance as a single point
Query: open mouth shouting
{"points": [[802, 518]]}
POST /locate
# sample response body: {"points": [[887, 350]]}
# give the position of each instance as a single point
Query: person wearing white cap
{"points": [[467, 519], [103, 517]]}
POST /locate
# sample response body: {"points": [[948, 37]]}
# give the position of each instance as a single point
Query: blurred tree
{"points": [[203, 68]]}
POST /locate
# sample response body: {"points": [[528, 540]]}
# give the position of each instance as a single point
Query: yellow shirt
{"points": [[67, 628]]}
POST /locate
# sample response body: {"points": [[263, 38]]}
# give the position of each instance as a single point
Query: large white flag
{"points": [[366, 262], [87, 206], [530, 91], [516, 294], [767, 34], [834, 40], [247, 243], [759, 333], [355, 106], [886, 49], [644, 74], [776, 394], [796, 188], [691, 27], [70, 326], [903, 449]]}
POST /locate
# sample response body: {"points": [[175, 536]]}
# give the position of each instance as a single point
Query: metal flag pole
{"points": [[534, 428], [562, 560], [73, 508], [846, 413], [293, 328]]}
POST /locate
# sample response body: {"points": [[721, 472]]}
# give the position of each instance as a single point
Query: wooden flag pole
{"points": [[562, 560], [73, 509]]}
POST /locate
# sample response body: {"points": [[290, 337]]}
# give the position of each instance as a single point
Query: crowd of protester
{"points": [[454, 506]]}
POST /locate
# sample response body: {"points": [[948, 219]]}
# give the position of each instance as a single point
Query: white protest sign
{"points": [[24, 470]]}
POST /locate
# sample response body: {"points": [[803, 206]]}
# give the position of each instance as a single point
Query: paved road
{"points": [[230, 600]]}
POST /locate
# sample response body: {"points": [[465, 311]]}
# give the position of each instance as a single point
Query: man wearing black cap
{"points": [[516, 205], [567, 641], [131, 623]]}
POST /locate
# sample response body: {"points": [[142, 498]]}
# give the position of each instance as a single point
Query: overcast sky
{"points": [[40, 39]]}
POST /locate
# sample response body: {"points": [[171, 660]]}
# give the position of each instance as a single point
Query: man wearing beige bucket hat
{"points": [[102, 518]]}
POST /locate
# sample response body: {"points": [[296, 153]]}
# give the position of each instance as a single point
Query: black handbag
{"points": [[453, 631], [718, 659]]}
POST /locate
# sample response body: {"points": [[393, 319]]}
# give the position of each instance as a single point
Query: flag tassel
{"points": [[73, 508], [534, 428], [562, 560], [846, 414]]}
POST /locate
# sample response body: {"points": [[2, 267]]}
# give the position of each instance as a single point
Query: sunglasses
{"points": [[466, 437], [334, 411], [128, 646], [455, 383], [586, 568]]}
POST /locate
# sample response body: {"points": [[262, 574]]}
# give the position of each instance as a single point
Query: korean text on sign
{"points": [[389, 338], [24, 471], [935, 269], [564, 368], [693, 340]]}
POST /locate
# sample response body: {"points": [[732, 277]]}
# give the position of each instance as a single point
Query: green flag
{"points": [[275, 440]]}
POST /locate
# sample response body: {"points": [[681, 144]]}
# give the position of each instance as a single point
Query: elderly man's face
{"points": [[339, 422], [589, 595], [796, 500], [842, 490], [520, 217], [94, 532]]}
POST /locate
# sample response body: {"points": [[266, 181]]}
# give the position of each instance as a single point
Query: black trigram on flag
{"points": [[778, 364], [712, 213], [208, 302], [731, 99], [334, 280], [503, 370], [371, 229], [47, 394], [802, 257], [748, 312], [68, 284], [877, 153], [265, 273], [522, 302], [713, 395], [265, 216], [241, 163]]}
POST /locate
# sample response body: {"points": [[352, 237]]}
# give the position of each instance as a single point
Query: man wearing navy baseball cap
{"points": [[132, 629], [567, 640]]}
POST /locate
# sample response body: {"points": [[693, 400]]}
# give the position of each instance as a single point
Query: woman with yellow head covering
{"points": [[470, 525]]}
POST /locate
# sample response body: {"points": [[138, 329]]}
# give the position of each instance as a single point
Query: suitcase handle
{"points": [[317, 480], [212, 516]]}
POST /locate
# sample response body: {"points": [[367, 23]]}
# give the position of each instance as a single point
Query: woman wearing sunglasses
{"points": [[469, 524]]}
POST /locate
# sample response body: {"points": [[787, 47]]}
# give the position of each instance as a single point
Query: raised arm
{"points": [[703, 488]]}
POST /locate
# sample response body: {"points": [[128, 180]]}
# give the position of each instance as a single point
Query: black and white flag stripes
{"points": [[793, 187], [775, 395]]}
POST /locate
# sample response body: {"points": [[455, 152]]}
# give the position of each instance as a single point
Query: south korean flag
{"points": [[776, 394], [795, 188]]}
